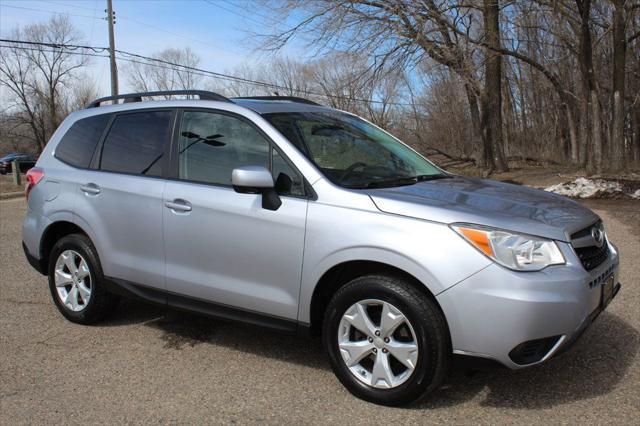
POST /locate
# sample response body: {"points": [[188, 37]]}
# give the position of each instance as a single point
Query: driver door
{"points": [[222, 247]]}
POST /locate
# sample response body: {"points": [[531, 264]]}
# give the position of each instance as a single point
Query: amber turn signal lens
{"points": [[480, 239]]}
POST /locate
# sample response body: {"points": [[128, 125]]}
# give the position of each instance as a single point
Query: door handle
{"points": [[90, 188], [178, 205]]}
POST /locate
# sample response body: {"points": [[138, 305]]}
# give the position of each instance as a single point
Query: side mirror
{"points": [[256, 180]]}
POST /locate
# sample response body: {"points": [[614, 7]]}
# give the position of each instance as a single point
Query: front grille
{"points": [[592, 257]]}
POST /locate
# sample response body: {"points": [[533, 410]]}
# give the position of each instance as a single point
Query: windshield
{"points": [[351, 152]]}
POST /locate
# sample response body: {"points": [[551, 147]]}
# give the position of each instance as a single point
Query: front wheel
{"points": [[387, 342]]}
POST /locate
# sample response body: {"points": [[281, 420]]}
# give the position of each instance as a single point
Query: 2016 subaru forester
{"points": [[280, 212]]}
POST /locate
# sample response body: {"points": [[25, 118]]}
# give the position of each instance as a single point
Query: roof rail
{"points": [[137, 97], [279, 98]]}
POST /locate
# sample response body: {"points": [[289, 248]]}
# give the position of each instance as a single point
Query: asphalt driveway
{"points": [[149, 365]]}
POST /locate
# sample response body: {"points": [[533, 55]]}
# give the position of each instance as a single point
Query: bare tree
{"points": [[279, 75], [240, 87], [80, 95], [341, 80], [395, 34], [289, 77], [38, 76], [170, 74], [542, 79]]}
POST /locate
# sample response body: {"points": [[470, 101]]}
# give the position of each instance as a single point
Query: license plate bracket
{"points": [[606, 292]]}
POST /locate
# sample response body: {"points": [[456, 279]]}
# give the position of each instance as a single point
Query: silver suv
{"points": [[280, 212]]}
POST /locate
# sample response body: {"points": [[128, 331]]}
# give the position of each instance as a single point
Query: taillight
{"points": [[34, 175]]}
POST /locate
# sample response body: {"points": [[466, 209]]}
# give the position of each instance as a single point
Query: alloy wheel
{"points": [[377, 343], [73, 280]]}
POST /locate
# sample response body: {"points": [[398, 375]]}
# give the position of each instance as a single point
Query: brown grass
{"points": [[7, 185]]}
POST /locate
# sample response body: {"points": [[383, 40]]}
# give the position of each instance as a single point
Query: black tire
{"points": [[101, 303], [429, 325]]}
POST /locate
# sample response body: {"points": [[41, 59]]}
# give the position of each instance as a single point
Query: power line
{"points": [[172, 65], [75, 6], [57, 49], [55, 45], [35, 49], [127, 18], [218, 5], [95, 55], [256, 82], [199, 71], [49, 11], [208, 44], [253, 12]]}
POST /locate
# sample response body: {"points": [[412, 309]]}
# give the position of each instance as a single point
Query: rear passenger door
{"points": [[222, 246], [120, 197]]}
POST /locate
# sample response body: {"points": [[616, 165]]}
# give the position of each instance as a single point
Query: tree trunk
{"points": [[492, 99], [596, 134], [476, 127], [617, 141], [591, 120], [523, 113], [583, 131], [511, 145], [635, 145], [569, 108], [52, 111]]}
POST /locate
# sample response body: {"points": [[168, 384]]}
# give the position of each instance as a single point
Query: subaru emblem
{"points": [[598, 236]]}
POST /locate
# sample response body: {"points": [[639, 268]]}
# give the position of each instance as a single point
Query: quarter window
{"points": [[77, 145], [211, 145], [135, 143]]}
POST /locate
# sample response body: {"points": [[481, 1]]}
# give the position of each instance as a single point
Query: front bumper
{"points": [[493, 313]]}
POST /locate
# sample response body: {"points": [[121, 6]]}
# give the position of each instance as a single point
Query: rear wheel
{"points": [[387, 341], [76, 281]]}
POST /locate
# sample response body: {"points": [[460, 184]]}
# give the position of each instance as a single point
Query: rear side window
{"points": [[77, 145], [135, 143]]}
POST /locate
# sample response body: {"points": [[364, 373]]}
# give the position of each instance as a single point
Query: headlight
{"points": [[515, 251]]}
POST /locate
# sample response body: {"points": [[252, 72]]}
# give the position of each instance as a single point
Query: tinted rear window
{"points": [[77, 145], [135, 143]]}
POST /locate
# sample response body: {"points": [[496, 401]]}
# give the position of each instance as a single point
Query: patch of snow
{"points": [[636, 195], [590, 188]]}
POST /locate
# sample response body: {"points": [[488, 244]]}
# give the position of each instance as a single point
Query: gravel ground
{"points": [[147, 365]]}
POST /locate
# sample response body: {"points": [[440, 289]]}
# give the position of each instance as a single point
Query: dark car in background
{"points": [[27, 161]]}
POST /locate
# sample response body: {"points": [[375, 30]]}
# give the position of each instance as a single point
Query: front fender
{"points": [[429, 251]]}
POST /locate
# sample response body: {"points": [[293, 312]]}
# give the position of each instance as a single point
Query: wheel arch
{"points": [[342, 273], [53, 233]]}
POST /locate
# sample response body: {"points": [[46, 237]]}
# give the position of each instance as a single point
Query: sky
{"points": [[217, 30]]}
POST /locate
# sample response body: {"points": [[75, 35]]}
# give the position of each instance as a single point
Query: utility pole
{"points": [[111, 19]]}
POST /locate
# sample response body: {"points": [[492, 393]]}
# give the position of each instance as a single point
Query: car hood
{"points": [[486, 202]]}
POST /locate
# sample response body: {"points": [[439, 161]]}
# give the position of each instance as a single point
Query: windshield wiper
{"points": [[423, 178], [400, 181]]}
